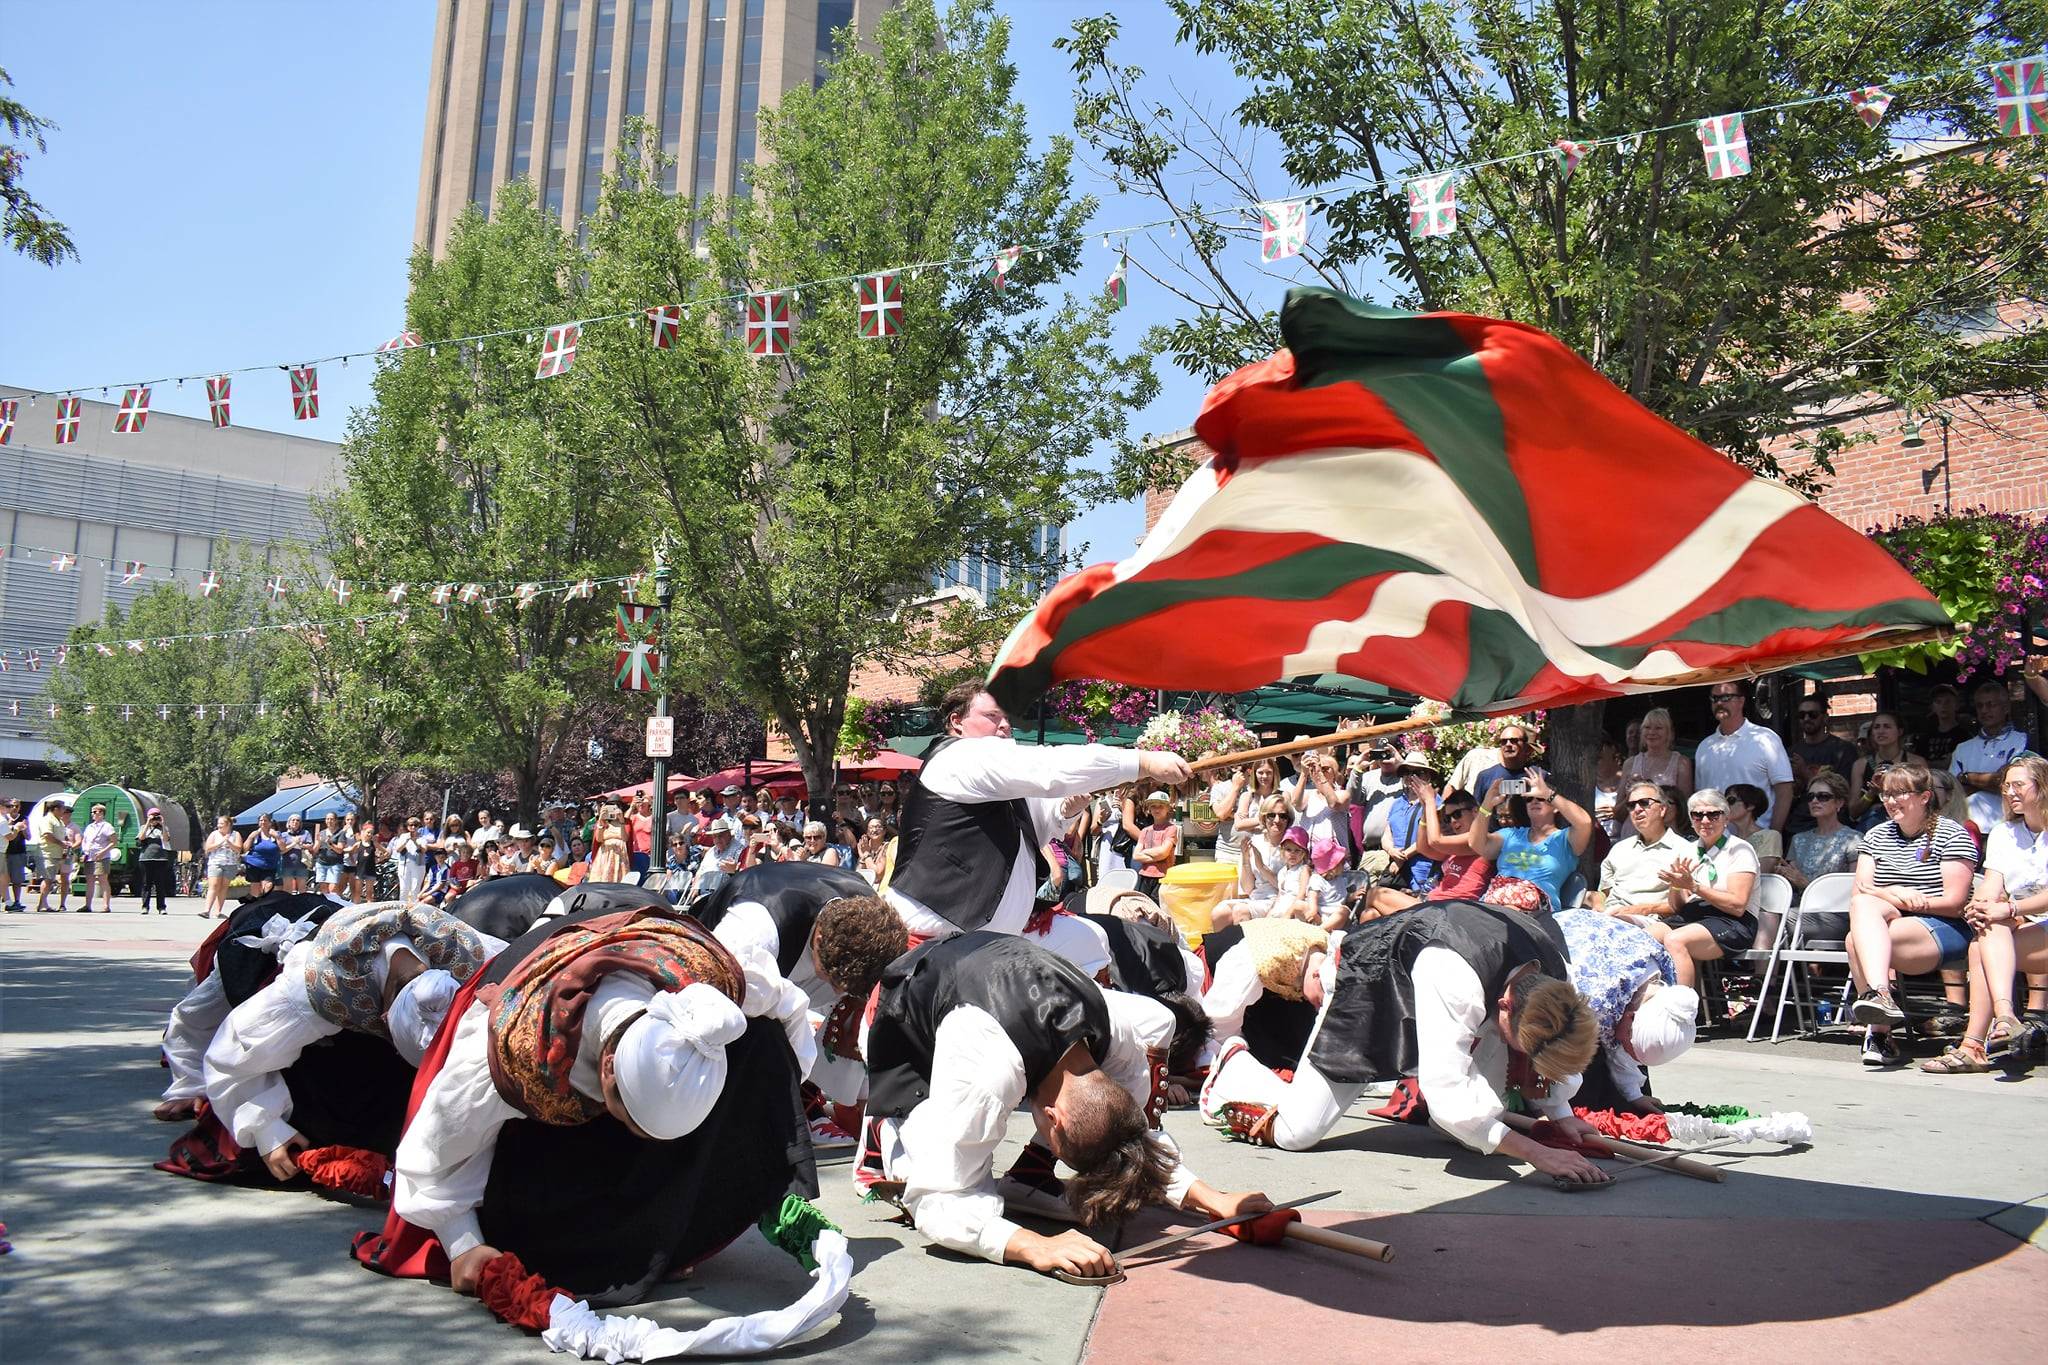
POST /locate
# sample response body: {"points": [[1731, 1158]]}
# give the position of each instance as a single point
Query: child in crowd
{"points": [[1303, 894], [1158, 843]]}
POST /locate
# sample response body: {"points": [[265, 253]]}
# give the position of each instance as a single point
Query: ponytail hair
{"points": [[1551, 1025], [1120, 1164]]}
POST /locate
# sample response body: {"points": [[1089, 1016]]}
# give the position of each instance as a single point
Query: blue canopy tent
{"points": [[310, 803]]}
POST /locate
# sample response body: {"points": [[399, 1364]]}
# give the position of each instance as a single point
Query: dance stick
{"points": [[1340, 1241], [1295, 746], [1607, 1146]]}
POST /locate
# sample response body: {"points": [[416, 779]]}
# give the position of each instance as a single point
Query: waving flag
{"points": [[1461, 508]]}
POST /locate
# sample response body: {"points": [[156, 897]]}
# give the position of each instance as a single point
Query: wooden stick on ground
{"points": [[1607, 1146], [1340, 1241]]}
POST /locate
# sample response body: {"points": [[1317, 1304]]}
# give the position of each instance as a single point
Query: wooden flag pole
{"points": [[1295, 746]]}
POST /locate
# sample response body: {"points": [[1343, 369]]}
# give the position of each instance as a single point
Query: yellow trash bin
{"points": [[1191, 891]]}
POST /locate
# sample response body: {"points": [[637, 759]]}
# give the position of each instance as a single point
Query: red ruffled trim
{"points": [[349, 1170], [207, 1152], [521, 1299], [1617, 1123]]}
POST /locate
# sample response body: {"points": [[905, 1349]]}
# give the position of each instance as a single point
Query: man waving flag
{"points": [[1462, 508]]}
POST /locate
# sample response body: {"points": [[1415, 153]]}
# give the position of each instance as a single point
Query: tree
{"points": [[1831, 282], [468, 469], [143, 728], [27, 227], [812, 497]]}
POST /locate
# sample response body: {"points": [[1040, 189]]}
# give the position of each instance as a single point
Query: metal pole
{"points": [[657, 844]]}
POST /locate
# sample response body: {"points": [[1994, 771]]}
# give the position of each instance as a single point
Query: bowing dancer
{"points": [[968, 846], [385, 972], [1645, 1017], [1268, 984], [1466, 998], [615, 1101], [968, 1028], [826, 932], [237, 959]]}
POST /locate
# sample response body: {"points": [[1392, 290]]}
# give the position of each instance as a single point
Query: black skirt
{"points": [[607, 1215]]}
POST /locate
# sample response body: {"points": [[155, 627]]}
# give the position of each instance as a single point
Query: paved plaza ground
{"points": [[1912, 1230]]}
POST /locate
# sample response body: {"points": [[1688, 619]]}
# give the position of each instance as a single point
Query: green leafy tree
{"points": [[1763, 314], [132, 718], [27, 226], [468, 469], [812, 498]]}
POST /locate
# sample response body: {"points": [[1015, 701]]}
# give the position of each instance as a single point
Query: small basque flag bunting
{"points": [[217, 389], [1283, 229], [880, 296], [1000, 266], [134, 412], [768, 323], [67, 420], [558, 350], [2021, 88], [1725, 145], [1433, 205], [305, 392], [1116, 290], [209, 583], [663, 323], [8, 407], [1870, 103], [404, 341], [131, 571], [1571, 154]]}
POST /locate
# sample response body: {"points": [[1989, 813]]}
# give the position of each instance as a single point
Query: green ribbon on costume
{"points": [[795, 1227], [1718, 1113]]}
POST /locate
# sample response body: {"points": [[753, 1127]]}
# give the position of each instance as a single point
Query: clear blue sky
{"points": [[240, 177]]}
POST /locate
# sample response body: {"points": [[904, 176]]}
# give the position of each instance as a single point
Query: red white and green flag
{"points": [[305, 392], [1571, 154], [1433, 205], [134, 413], [217, 392], [1725, 145], [1460, 508], [1870, 103], [2021, 88], [558, 350], [663, 322], [768, 323], [880, 297], [638, 665], [67, 420], [404, 341], [1283, 229], [1001, 264], [8, 407], [1116, 290]]}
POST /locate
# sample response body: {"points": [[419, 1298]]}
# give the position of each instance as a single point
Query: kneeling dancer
{"points": [[1645, 1018], [829, 935], [1268, 982], [378, 976], [1467, 998], [615, 1101], [968, 1028]]}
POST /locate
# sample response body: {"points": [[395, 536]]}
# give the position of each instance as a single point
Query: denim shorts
{"points": [[1950, 936]]}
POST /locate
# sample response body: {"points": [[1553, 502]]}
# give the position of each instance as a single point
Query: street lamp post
{"points": [[657, 844]]}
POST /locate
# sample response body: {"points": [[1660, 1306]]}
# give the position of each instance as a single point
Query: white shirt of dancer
{"points": [[193, 1022], [262, 1036], [749, 932], [443, 1163], [948, 1142], [1462, 1060], [1085, 943], [1234, 987], [988, 768]]}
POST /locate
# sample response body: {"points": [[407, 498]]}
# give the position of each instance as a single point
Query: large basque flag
{"points": [[1461, 508]]}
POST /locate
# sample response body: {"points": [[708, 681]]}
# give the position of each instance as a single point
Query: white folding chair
{"points": [[1827, 894], [1773, 899]]}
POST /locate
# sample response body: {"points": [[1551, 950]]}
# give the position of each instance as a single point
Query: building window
{"points": [[594, 129], [832, 16], [710, 91], [750, 84], [564, 104], [441, 122], [672, 91], [529, 85], [487, 111], [641, 20]]}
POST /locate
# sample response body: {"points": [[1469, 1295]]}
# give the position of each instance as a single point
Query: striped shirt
{"points": [[1915, 863]]}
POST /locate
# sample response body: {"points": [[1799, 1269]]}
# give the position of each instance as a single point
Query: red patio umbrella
{"points": [[759, 775], [676, 781], [886, 766]]}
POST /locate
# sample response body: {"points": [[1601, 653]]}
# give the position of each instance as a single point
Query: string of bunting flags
{"points": [[441, 596], [2018, 88]]}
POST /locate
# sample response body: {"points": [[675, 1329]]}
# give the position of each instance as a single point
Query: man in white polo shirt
{"points": [[1740, 750], [1980, 759]]}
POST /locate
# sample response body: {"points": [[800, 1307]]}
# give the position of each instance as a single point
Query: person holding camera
{"points": [[1545, 847], [1887, 750], [153, 859]]}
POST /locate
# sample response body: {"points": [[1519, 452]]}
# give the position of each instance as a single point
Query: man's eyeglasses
{"points": [[1644, 803], [1724, 696], [1506, 740]]}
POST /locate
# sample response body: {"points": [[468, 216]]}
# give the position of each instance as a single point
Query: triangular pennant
{"points": [[1571, 154], [1870, 103]]}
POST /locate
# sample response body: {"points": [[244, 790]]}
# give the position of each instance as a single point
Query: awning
{"points": [[311, 803], [759, 775], [676, 782]]}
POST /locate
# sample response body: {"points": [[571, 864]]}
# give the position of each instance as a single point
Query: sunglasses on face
{"points": [[1820, 796], [1700, 815], [1724, 696], [1644, 803], [1456, 812]]}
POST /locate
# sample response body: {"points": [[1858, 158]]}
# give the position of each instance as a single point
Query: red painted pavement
{"points": [[1566, 1287]]}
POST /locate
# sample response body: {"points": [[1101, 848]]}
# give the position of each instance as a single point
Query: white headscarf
{"points": [[670, 1063], [1665, 1024], [415, 1015]]}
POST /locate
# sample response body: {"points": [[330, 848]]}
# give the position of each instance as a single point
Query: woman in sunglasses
{"points": [[1711, 894], [1830, 846], [1259, 864]]}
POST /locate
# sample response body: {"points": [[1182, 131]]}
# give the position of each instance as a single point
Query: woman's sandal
{"points": [[1957, 1061], [2006, 1034]]}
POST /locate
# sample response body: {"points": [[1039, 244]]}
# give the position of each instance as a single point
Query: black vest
{"points": [[506, 907], [955, 859], [1041, 1000], [1144, 959], [1368, 1026], [245, 970], [792, 894]]}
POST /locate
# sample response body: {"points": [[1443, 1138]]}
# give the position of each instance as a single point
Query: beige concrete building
{"points": [[541, 88]]}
